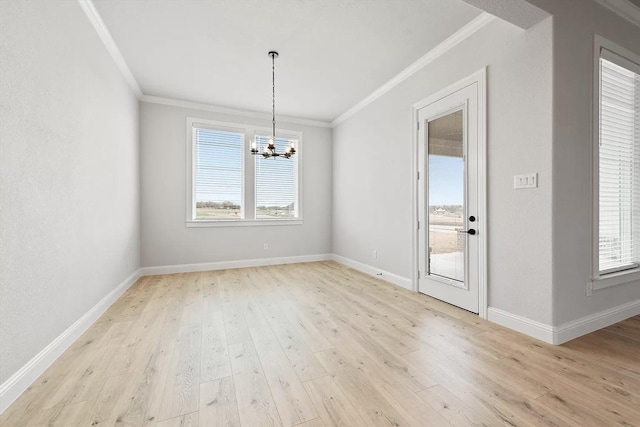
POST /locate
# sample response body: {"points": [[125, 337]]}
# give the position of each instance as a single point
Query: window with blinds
{"points": [[218, 174], [228, 186], [619, 164], [276, 187]]}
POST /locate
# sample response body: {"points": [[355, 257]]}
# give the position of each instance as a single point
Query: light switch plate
{"points": [[529, 180]]}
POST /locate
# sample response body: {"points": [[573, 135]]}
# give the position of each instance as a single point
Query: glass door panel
{"points": [[446, 211]]}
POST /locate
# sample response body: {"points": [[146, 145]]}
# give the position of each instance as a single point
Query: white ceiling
{"points": [[333, 53]]}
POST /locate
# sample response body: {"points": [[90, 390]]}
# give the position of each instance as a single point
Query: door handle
{"points": [[470, 231]]}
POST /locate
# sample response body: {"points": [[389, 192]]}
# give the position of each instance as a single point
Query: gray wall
{"points": [[572, 155], [372, 166], [165, 238], [69, 216]]}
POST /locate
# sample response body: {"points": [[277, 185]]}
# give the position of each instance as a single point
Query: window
{"points": [[229, 186], [276, 182], [618, 155], [218, 174]]}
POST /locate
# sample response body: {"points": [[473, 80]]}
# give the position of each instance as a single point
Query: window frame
{"points": [[249, 177], [621, 56]]}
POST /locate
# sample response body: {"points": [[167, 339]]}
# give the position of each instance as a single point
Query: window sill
{"points": [[614, 279], [242, 223]]}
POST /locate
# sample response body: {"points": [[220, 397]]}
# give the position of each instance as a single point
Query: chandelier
{"points": [[269, 150]]}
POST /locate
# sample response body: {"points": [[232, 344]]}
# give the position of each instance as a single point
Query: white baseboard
{"points": [[373, 271], [223, 265], [13, 387], [521, 324], [567, 331], [585, 325]]}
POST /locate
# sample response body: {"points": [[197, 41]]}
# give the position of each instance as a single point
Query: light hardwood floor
{"points": [[319, 344]]}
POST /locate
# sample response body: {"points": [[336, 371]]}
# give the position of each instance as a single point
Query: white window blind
{"points": [[218, 174], [619, 166], [276, 182]]}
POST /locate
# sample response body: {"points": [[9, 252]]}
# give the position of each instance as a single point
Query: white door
{"points": [[448, 198]]}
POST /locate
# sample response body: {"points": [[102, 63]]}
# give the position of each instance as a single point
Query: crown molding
{"points": [[232, 111], [463, 33], [624, 8], [520, 13], [98, 24]]}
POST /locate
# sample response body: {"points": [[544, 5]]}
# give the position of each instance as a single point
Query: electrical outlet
{"points": [[374, 254], [266, 247]]}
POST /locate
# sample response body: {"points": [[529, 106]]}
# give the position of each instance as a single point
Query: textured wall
{"points": [[69, 217], [165, 238], [372, 166]]}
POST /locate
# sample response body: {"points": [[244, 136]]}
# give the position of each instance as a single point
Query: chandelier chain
{"points": [[273, 95], [269, 149]]}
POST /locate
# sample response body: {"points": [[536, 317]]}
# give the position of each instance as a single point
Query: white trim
{"points": [[594, 322], [567, 331], [449, 43], [224, 265], [415, 214], [614, 279], [13, 387], [595, 164], [98, 24], [463, 33], [231, 111], [623, 8], [401, 281], [477, 77], [521, 324], [483, 281], [480, 78], [242, 223]]}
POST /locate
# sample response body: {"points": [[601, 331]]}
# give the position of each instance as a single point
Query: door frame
{"points": [[479, 78]]}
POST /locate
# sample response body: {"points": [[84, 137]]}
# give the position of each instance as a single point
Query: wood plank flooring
{"points": [[320, 345]]}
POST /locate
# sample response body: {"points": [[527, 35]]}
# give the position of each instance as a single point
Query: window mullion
{"points": [[249, 177]]}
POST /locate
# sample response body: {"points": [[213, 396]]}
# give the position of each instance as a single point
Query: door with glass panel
{"points": [[448, 199]]}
